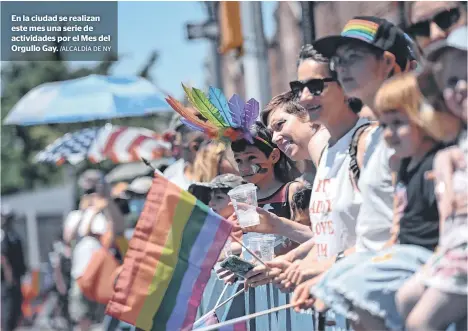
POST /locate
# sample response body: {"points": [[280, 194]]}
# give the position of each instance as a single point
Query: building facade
{"points": [[283, 49]]}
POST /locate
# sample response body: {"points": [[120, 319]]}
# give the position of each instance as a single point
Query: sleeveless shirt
{"points": [[335, 203]]}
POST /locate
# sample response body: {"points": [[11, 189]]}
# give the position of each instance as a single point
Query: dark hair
{"points": [[223, 190], [287, 100], [301, 198], [308, 52], [285, 170]]}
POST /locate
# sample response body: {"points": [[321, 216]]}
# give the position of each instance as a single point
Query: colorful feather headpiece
{"points": [[226, 120]]}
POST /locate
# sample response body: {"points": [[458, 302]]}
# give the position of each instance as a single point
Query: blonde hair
{"points": [[207, 161], [402, 93]]}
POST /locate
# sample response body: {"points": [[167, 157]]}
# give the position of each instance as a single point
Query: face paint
{"points": [[260, 169], [256, 169]]}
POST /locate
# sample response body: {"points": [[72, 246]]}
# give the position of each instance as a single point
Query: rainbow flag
{"points": [[175, 245]]}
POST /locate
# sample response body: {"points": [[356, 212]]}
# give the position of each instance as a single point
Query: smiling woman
{"points": [[289, 122]]}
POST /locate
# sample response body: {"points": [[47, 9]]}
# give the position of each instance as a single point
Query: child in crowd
{"points": [[262, 163], [437, 295], [366, 292], [300, 206], [217, 190]]}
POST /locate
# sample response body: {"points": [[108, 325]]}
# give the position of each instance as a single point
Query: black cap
{"points": [[373, 31], [226, 181]]}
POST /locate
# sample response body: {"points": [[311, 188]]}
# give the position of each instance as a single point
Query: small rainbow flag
{"points": [[176, 242]]}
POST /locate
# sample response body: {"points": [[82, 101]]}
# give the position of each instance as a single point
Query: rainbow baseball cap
{"points": [[373, 31]]}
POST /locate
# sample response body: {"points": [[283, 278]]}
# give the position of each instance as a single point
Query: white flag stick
{"points": [[222, 294], [245, 318], [217, 306]]}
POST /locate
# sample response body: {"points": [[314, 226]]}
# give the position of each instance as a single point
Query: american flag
{"points": [[116, 143]]}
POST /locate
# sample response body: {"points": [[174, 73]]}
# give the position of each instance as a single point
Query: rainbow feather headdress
{"points": [[225, 120]]}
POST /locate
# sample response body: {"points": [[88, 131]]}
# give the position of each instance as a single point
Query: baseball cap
{"points": [[140, 185], [225, 181], [373, 31], [457, 39]]}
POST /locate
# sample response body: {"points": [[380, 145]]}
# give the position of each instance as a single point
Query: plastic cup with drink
{"points": [[246, 194], [263, 246]]}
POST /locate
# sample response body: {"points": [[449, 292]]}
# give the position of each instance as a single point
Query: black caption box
{"points": [[79, 30]]}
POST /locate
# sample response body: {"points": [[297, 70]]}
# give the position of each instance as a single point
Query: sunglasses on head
{"points": [[445, 20], [315, 86]]}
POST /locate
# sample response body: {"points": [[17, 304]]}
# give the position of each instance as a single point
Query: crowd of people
{"points": [[377, 117], [360, 172]]}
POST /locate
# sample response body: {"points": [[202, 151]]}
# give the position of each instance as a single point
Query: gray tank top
{"points": [[375, 216]]}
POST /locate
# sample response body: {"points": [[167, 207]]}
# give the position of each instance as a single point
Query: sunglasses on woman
{"points": [[315, 86], [445, 20]]}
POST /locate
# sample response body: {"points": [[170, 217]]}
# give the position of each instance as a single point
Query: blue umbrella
{"points": [[86, 99]]}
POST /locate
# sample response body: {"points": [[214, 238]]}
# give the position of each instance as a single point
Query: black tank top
{"points": [[278, 202]]}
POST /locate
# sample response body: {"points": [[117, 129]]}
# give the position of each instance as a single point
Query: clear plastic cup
{"points": [[263, 246], [245, 194]]}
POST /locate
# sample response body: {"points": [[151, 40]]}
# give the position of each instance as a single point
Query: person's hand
{"points": [[301, 296], [445, 163], [279, 265], [269, 222], [304, 270], [236, 229], [261, 275], [455, 99], [226, 276]]}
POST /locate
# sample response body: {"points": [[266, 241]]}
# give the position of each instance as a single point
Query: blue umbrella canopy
{"points": [[90, 98]]}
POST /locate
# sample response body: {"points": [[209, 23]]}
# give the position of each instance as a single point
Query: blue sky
{"points": [[147, 26]]}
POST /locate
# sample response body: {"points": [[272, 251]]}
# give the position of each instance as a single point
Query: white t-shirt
{"points": [[85, 248], [334, 204], [82, 254], [175, 174], [98, 226], [375, 183]]}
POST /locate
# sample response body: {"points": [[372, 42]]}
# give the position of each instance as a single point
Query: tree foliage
{"points": [[20, 144]]}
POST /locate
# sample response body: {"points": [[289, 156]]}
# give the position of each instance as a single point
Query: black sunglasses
{"points": [[315, 86], [444, 20]]}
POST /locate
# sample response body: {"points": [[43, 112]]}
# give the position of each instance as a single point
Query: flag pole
{"points": [[218, 306], [221, 295], [246, 318]]}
